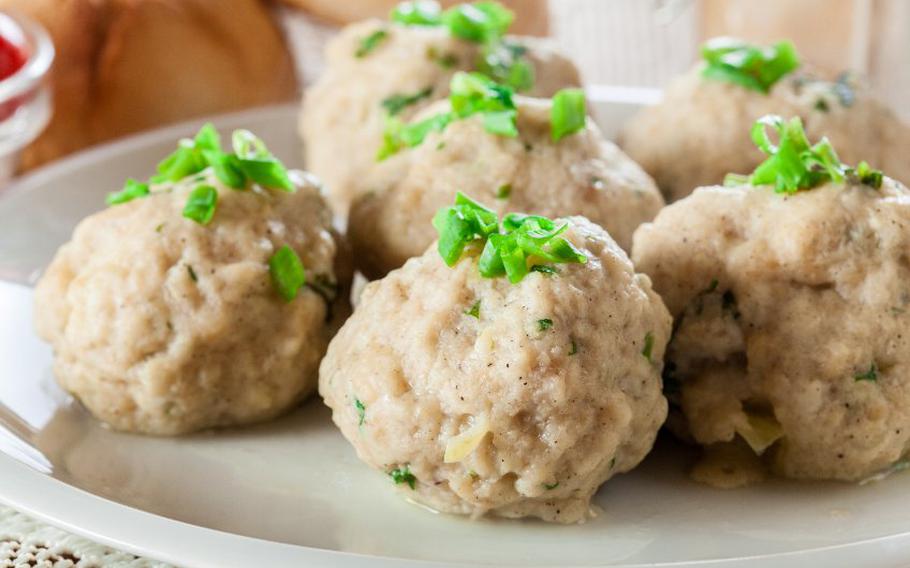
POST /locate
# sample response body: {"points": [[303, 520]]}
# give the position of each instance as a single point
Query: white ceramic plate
{"points": [[292, 493]]}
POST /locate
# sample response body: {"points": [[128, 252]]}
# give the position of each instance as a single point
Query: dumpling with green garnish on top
{"points": [[203, 298], [700, 130], [388, 70], [510, 370], [790, 291], [541, 156]]}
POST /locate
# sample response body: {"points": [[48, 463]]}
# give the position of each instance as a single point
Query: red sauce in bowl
{"points": [[12, 58]]}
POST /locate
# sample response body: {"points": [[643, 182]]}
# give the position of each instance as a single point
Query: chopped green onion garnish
{"points": [[287, 272], [508, 250], [870, 375], [369, 43], [544, 324], [460, 224], [479, 22], [506, 62], [793, 164], [200, 205], [251, 161], [361, 411], [567, 115], [397, 103], [754, 67], [470, 93], [131, 190], [649, 346], [403, 475], [474, 312], [419, 13]]}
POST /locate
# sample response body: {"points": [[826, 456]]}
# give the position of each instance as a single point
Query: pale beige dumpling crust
{"points": [[699, 132], [163, 326], [501, 413], [343, 119], [581, 174], [792, 322]]}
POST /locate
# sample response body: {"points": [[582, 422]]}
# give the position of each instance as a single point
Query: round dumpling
{"points": [[164, 326], [343, 116], [699, 132], [581, 174], [481, 396], [792, 323]]}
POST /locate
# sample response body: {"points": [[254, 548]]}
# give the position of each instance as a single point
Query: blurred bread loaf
{"points": [[128, 65]]}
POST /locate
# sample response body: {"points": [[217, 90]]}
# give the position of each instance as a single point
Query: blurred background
{"points": [[124, 66]]}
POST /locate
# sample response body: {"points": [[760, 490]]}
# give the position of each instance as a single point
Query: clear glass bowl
{"points": [[25, 96]]}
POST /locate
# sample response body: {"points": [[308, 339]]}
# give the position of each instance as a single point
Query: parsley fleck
{"points": [[544, 324], [567, 113], [474, 312], [361, 411], [445, 60], [287, 272], [870, 375], [504, 191], [751, 66], [201, 203], [132, 189], [712, 287], [574, 349], [370, 43], [192, 273], [649, 346], [398, 102], [551, 486], [545, 269], [403, 475], [613, 462]]}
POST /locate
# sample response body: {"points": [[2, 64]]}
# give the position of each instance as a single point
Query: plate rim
{"points": [[168, 540]]}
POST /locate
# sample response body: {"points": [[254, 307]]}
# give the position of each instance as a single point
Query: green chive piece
{"points": [[544, 324], [403, 475], [751, 66], [506, 62], [474, 312], [370, 43], [201, 203], [870, 375], [287, 272], [397, 103], [649, 346], [419, 13], [478, 22], [508, 249], [361, 411], [793, 165], [460, 224], [567, 115], [470, 93], [132, 189]]}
